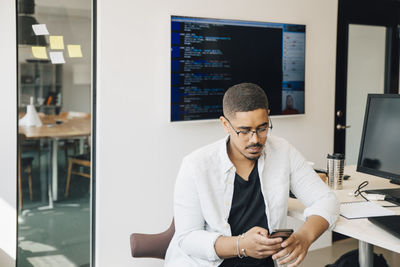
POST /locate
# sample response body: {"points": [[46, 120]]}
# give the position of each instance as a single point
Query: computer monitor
{"points": [[380, 143], [210, 55]]}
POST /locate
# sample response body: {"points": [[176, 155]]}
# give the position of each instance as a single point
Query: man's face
{"points": [[241, 129]]}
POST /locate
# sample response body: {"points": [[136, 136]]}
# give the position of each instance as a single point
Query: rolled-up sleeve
{"points": [[311, 190], [190, 231]]}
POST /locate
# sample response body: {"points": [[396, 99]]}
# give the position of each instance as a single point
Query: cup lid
{"points": [[336, 156]]}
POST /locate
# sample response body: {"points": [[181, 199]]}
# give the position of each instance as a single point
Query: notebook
{"points": [[364, 209]]}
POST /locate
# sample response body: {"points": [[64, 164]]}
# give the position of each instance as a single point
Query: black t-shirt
{"points": [[247, 211]]}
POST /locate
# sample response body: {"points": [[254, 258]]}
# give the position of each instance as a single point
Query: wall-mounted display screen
{"points": [[210, 55]]}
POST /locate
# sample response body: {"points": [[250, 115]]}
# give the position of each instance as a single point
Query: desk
{"points": [[366, 232], [69, 128]]}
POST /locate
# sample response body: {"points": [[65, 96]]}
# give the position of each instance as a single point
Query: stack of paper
{"points": [[365, 209]]}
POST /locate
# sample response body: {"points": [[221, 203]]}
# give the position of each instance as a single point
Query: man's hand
{"points": [[257, 244], [295, 247]]}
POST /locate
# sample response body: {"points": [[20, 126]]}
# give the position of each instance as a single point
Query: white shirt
{"points": [[204, 191]]}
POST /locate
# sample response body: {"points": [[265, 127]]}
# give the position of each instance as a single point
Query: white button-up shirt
{"points": [[204, 191]]}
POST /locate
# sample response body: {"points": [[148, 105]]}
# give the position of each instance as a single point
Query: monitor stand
{"points": [[392, 194]]}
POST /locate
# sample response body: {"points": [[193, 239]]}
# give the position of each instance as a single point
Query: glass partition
{"points": [[54, 132]]}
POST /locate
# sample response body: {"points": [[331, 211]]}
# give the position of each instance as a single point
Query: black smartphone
{"points": [[283, 233]]}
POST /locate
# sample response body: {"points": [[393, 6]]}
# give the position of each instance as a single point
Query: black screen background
{"points": [[254, 55]]}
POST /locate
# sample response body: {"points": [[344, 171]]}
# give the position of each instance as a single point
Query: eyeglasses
{"points": [[248, 134]]}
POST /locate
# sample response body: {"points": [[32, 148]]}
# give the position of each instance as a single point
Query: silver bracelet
{"points": [[244, 253], [237, 247]]}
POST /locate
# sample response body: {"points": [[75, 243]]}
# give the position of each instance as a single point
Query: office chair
{"points": [[152, 245], [81, 160]]}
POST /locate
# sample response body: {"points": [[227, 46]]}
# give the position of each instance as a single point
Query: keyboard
{"points": [[390, 224], [392, 194]]}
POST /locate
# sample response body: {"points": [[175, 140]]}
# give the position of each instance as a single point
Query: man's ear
{"points": [[224, 124], [269, 111]]}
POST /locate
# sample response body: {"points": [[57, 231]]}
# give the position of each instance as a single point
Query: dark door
{"points": [[367, 62]]}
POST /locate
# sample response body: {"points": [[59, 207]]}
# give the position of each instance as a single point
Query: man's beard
{"points": [[253, 157]]}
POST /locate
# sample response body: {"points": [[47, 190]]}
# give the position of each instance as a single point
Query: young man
{"points": [[230, 195]]}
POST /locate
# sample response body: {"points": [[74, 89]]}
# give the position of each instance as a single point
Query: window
{"points": [[55, 94]]}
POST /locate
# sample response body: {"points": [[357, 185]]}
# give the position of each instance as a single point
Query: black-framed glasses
{"points": [[248, 134]]}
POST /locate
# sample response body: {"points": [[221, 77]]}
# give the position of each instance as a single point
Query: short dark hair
{"points": [[243, 97]]}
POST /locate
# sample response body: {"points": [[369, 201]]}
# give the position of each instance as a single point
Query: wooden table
{"points": [[68, 128], [366, 232]]}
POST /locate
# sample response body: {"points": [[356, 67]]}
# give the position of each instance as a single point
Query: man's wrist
{"points": [[226, 247], [308, 236], [241, 251], [314, 226]]}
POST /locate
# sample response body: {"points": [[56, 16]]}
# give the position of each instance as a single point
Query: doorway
{"points": [[367, 62]]}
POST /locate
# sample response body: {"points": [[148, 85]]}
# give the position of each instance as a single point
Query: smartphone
{"points": [[283, 233]]}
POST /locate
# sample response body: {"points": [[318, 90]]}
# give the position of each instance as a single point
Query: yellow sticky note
{"points": [[56, 42], [39, 52], [74, 50]]}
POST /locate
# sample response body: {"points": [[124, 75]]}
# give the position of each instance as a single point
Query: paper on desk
{"points": [[40, 29], [39, 52], [76, 114], [56, 42], [365, 209], [57, 57], [74, 50]]}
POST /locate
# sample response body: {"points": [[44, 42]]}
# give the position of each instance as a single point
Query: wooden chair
{"points": [[152, 245], [71, 143], [81, 160], [30, 146], [68, 144], [25, 165]]}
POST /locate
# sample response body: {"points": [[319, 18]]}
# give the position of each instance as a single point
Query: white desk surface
{"points": [[360, 229]]}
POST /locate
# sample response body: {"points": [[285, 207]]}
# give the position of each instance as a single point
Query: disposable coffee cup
{"points": [[335, 169]]}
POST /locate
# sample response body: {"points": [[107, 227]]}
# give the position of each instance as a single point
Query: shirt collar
{"points": [[226, 161]]}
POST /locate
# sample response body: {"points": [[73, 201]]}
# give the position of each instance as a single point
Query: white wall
{"points": [[139, 151], [8, 134]]}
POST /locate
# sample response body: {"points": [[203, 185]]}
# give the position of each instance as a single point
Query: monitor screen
{"points": [[380, 143], [210, 55]]}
